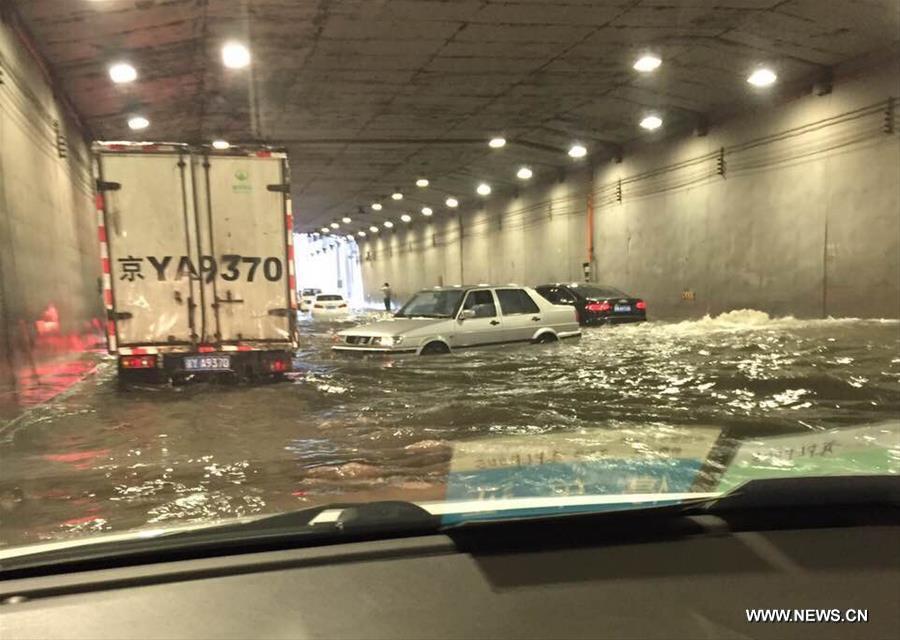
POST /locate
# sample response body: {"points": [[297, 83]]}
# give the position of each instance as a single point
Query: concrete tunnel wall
{"points": [[805, 220], [49, 255]]}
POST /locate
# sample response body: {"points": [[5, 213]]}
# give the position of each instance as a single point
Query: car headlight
{"points": [[388, 341]]}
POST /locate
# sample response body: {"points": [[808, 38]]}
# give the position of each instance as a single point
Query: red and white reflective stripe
{"points": [[292, 278], [138, 351], [240, 347], [107, 277]]}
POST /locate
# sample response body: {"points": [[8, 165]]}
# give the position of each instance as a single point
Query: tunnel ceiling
{"points": [[368, 95]]}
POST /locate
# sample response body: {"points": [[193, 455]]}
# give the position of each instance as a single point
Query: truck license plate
{"points": [[622, 308], [207, 363]]}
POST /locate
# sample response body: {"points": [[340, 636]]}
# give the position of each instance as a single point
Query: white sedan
{"points": [[329, 306], [307, 297], [442, 320]]}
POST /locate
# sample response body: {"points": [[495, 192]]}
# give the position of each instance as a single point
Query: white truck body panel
{"points": [[198, 250]]}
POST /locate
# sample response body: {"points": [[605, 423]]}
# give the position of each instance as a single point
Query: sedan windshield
{"points": [[431, 304], [590, 291]]}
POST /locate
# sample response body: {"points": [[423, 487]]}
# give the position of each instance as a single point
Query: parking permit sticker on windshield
{"points": [[587, 463], [872, 449]]}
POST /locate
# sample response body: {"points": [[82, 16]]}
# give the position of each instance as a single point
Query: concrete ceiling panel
{"points": [[423, 71]]}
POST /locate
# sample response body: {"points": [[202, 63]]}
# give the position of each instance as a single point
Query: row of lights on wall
{"points": [[760, 77], [235, 55]]}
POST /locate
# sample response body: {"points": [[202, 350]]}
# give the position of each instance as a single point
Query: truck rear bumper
{"points": [[163, 367]]}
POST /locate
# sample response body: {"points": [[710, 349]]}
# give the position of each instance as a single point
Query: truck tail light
{"points": [[641, 305], [137, 362], [319, 306], [598, 306], [279, 366], [342, 306]]}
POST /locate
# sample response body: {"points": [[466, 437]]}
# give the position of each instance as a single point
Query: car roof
{"points": [[575, 285], [467, 287]]}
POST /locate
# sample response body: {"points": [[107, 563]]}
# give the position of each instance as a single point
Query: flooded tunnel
{"points": [[293, 277]]}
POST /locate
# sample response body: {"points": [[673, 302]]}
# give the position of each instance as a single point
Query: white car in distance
{"points": [[307, 297], [444, 319], [329, 306]]}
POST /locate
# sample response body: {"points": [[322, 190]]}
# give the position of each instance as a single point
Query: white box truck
{"points": [[197, 254]]}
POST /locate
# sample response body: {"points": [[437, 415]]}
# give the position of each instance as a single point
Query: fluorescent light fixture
{"points": [[136, 123], [651, 122], [346, 219], [376, 206], [221, 145], [577, 151], [122, 72], [647, 63], [373, 229], [762, 77], [388, 224], [426, 211], [484, 189], [524, 173], [361, 234], [422, 182], [496, 143], [406, 217], [335, 225], [235, 55], [325, 230], [397, 196], [451, 202]]}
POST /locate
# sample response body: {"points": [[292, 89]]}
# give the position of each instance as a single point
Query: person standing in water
{"points": [[386, 290]]}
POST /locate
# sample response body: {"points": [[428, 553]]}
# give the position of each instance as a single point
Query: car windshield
{"points": [[474, 255], [431, 304], [598, 291]]}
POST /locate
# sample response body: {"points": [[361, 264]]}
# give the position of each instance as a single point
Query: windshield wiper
{"points": [[322, 524]]}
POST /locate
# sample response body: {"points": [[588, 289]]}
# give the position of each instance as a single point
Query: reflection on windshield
{"points": [[431, 304]]}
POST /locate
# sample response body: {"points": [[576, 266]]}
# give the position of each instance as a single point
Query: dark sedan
{"points": [[596, 303]]}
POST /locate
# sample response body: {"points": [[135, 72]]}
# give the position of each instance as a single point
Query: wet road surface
{"points": [[97, 458]]}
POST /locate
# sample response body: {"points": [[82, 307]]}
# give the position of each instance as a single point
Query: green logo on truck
{"points": [[241, 182]]}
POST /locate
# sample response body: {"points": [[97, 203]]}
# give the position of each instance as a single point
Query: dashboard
{"points": [[525, 581]]}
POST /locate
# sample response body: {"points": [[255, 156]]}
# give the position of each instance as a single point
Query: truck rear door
{"points": [[148, 226], [243, 227]]}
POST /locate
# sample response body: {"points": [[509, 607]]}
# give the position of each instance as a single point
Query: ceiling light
{"points": [[524, 173], [422, 182], [122, 72], [406, 217], [335, 225], [376, 206], [221, 145], [325, 230], [397, 195], [451, 202], [388, 224], [426, 211], [136, 123], [496, 143], [373, 229], [235, 55], [484, 189], [647, 63], [361, 234], [346, 220], [577, 151], [762, 77], [651, 122]]}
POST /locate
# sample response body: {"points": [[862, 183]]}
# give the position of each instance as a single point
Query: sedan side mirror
{"points": [[466, 314]]}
